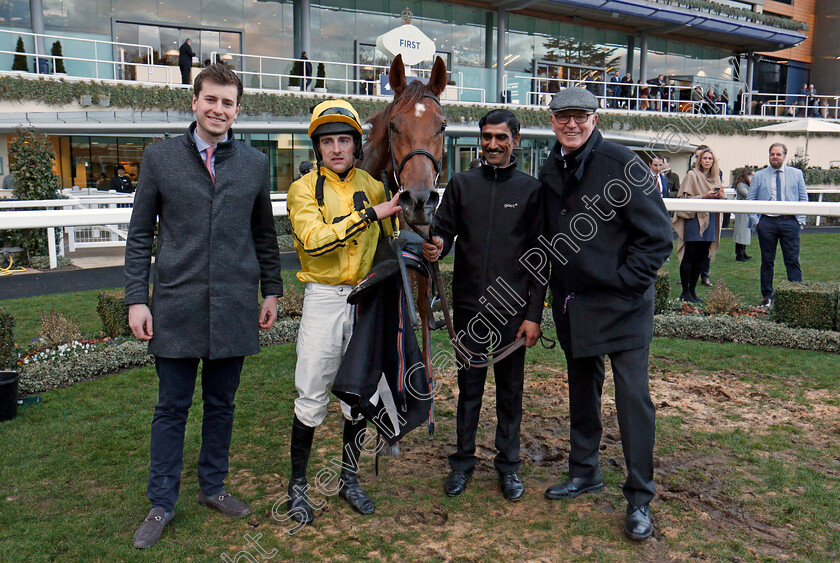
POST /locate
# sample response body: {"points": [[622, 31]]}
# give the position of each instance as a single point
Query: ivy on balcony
{"points": [[291, 107]]}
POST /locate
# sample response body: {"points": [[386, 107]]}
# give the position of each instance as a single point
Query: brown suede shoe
{"points": [[225, 503]]}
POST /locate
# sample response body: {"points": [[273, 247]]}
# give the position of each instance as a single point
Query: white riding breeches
{"points": [[325, 330]]}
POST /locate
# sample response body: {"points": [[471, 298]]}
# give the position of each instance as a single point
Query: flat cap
{"points": [[573, 98]]}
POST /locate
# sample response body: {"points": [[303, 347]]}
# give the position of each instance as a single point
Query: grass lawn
{"points": [[747, 462], [747, 466]]}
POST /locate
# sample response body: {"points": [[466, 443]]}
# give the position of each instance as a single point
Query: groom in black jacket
{"points": [[494, 210]]}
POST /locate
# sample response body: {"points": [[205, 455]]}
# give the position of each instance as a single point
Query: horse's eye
{"points": [[442, 128], [392, 127]]}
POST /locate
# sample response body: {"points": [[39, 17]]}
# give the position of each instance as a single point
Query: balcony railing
{"points": [[105, 60]]}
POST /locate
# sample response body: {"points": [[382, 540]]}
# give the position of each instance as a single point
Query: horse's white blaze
{"points": [[419, 109]]}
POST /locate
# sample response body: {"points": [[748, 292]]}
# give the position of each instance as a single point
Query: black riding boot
{"points": [[350, 489], [740, 252], [299, 507]]}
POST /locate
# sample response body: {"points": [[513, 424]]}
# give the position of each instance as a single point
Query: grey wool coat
{"points": [[215, 246]]}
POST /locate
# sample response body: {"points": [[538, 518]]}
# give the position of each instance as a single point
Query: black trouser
{"points": [[636, 419], [185, 73], [219, 381], [695, 253], [509, 374], [783, 230]]}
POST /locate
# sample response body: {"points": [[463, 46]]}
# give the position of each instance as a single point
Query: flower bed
{"points": [[54, 368]]}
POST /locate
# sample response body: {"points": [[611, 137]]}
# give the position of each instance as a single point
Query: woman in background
{"points": [[698, 232], [741, 234]]}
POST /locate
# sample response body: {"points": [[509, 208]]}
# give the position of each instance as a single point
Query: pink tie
{"points": [[208, 161]]}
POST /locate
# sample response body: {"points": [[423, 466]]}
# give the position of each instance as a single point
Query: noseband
{"points": [[414, 152]]}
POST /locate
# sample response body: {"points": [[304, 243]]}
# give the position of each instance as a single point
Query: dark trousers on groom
{"points": [[176, 376]]}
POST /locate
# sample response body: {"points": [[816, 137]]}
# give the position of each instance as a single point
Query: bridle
{"points": [[398, 168]]}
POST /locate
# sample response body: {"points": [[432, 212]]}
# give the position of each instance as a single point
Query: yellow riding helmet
{"points": [[332, 117]]}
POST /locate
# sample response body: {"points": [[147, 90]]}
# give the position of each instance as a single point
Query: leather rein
{"points": [[463, 353]]}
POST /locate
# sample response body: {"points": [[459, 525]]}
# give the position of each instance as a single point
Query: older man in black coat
{"points": [[606, 234], [216, 245]]}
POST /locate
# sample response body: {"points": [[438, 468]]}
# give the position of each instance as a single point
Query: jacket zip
{"points": [[489, 227]]}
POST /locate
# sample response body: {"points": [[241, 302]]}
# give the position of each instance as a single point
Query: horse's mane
{"points": [[376, 145]]}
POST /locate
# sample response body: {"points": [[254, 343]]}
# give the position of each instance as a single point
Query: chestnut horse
{"points": [[406, 142]]}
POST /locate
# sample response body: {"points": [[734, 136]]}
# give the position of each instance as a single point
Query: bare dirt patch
{"points": [[698, 512]]}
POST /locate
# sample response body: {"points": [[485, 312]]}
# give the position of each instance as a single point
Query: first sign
{"points": [[408, 41]]}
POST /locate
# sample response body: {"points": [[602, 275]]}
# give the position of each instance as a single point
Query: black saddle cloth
{"points": [[383, 355]]}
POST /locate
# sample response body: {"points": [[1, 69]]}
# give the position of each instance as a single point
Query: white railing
{"points": [[52, 219], [769, 104], [352, 78], [621, 95], [97, 60]]}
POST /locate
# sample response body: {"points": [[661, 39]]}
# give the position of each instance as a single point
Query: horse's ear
{"points": [[437, 80], [397, 76]]}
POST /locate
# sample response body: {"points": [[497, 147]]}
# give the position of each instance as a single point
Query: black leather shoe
{"points": [[512, 487], [456, 482], [572, 488], [638, 524], [707, 282]]}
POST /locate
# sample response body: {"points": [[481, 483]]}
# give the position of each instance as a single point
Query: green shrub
{"points": [[721, 301], [37, 377], [56, 328], [7, 339], [113, 313], [746, 330], [290, 304], [284, 331], [41, 262], [286, 242], [297, 71], [807, 305], [58, 61], [662, 289], [19, 62], [446, 273]]}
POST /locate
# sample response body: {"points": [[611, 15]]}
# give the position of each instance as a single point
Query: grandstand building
{"points": [[512, 51]]}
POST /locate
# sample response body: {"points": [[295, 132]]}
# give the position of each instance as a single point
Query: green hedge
{"points": [[7, 339], [663, 289], [807, 305], [745, 330], [113, 313], [126, 96]]}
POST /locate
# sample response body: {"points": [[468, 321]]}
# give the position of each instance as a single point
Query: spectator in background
{"points": [[615, 90], [673, 179], [707, 263], [304, 168], [655, 164], [306, 70], [802, 101], [711, 101], [738, 108], [644, 99], [627, 89], [185, 58], [697, 100], [741, 233], [778, 183], [9, 181], [724, 97], [122, 182], [813, 101], [698, 232]]}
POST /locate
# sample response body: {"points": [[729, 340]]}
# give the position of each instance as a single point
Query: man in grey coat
{"points": [[216, 245]]}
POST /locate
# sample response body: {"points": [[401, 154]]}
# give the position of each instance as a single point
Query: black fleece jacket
{"points": [[496, 215]]}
